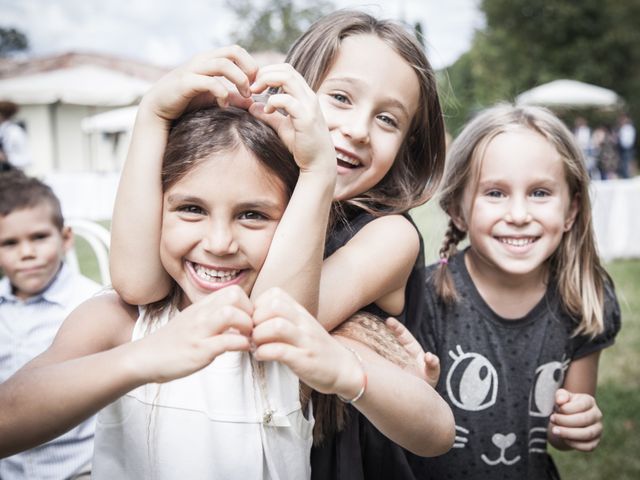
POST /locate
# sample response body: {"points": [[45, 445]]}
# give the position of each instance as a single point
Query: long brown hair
{"points": [[575, 265], [417, 169], [197, 136]]}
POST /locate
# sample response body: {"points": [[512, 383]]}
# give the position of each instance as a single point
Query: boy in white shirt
{"points": [[37, 293]]}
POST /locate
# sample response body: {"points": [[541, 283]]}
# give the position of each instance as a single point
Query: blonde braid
{"points": [[444, 282]]}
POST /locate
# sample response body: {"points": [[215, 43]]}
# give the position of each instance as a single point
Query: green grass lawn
{"points": [[618, 455]]}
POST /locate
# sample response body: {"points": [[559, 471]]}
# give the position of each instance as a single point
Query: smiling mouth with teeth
{"points": [[517, 242], [346, 161], [213, 275]]}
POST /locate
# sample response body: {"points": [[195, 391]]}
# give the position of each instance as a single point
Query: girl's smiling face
{"points": [[218, 222], [369, 98], [520, 208]]}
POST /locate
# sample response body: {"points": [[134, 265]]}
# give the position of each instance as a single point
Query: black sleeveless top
{"points": [[360, 451]]}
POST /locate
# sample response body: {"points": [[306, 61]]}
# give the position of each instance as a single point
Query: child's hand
{"points": [[294, 112], [222, 76], [427, 365], [285, 332], [191, 340], [577, 420]]}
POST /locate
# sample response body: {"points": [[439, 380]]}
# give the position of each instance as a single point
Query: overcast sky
{"points": [[167, 32]]}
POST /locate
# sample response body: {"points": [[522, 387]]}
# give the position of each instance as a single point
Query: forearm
{"points": [[294, 262], [404, 407], [137, 216], [41, 403]]}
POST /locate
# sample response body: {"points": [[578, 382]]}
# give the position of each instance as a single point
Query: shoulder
{"points": [[392, 236], [612, 316], [103, 320], [612, 322], [396, 229]]}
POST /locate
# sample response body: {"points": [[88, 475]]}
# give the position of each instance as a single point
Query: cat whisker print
{"points": [[502, 442], [461, 441], [539, 444]]}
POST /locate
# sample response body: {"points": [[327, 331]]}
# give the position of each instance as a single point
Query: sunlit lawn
{"points": [[618, 455]]}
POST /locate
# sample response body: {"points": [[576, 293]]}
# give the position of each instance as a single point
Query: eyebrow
{"points": [[394, 102], [500, 180], [178, 198]]}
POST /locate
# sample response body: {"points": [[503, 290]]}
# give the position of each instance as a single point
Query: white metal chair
{"points": [[98, 238]]}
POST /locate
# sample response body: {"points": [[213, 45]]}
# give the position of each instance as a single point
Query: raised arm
{"points": [[294, 261], [136, 272]]}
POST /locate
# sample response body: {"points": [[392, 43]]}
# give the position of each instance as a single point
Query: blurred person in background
{"points": [[626, 143], [14, 147], [582, 133]]}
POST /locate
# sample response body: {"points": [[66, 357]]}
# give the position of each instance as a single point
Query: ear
{"points": [[571, 214], [67, 239]]}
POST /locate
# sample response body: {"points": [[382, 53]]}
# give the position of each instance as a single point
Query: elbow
{"points": [[138, 293], [128, 292], [448, 435], [442, 436]]}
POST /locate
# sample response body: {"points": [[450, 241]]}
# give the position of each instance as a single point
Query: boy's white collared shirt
{"points": [[27, 328]]}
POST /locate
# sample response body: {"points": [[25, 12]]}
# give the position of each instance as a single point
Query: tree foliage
{"points": [[12, 41], [529, 42], [276, 24]]}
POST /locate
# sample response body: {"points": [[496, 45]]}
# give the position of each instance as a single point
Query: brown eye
{"points": [[253, 215], [192, 209]]}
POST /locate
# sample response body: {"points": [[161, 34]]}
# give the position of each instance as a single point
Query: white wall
{"points": [[58, 143]]}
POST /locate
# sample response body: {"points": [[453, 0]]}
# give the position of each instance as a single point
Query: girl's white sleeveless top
{"points": [[219, 423]]}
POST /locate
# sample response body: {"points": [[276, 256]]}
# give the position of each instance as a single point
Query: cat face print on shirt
{"points": [[494, 416]]}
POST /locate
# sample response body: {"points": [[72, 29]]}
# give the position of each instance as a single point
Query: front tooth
{"points": [[211, 274], [518, 242], [349, 160]]}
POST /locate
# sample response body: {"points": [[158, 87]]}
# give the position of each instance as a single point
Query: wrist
{"points": [[355, 381], [323, 163], [317, 180], [138, 370]]}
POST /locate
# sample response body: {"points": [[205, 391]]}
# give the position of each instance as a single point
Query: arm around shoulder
{"points": [[372, 267]]}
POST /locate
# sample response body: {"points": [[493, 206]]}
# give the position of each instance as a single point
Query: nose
{"points": [[220, 239], [518, 213], [355, 126], [27, 250]]}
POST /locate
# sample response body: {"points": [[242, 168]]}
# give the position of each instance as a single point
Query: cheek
{"points": [[54, 252], [259, 244], [172, 241]]}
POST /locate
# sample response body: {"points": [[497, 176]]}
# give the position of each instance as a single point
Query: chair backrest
{"points": [[98, 238]]}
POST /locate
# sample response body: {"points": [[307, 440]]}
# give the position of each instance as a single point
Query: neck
{"points": [[512, 296]]}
